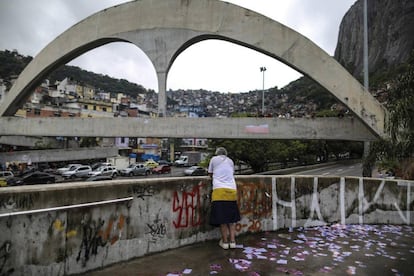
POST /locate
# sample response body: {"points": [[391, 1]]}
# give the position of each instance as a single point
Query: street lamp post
{"points": [[263, 69]]}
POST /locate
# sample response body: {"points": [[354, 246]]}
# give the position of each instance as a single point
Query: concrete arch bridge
{"points": [[163, 30]]}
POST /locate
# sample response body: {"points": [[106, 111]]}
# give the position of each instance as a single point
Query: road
{"points": [[175, 171], [338, 169]]}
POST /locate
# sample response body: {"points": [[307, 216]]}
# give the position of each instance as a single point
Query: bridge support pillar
{"points": [[367, 167], [162, 97]]}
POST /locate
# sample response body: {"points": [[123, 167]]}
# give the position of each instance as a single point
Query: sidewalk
{"points": [[335, 250]]}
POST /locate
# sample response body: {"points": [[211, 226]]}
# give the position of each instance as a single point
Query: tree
{"points": [[401, 107], [258, 154], [396, 152], [255, 153]]}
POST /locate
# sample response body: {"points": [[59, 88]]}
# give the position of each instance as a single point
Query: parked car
{"points": [[6, 174], [27, 170], [150, 164], [32, 178], [81, 171], [162, 169], [3, 182], [45, 167], [135, 169], [195, 170], [67, 168], [94, 166], [164, 162], [104, 171]]}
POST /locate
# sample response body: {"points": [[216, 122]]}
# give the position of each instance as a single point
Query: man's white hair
{"points": [[221, 151]]}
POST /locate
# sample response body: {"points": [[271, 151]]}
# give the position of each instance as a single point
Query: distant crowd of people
{"points": [[17, 168]]}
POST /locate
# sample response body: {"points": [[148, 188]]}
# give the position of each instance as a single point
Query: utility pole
{"points": [[367, 171], [366, 77]]}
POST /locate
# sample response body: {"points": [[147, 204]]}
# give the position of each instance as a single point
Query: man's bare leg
{"points": [[224, 229]]}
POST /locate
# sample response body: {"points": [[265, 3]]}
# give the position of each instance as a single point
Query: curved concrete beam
{"points": [[165, 28]]}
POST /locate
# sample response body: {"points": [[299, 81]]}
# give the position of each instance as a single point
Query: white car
{"points": [[104, 171], [100, 164], [195, 170], [6, 174], [67, 168], [136, 169], [80, 171]]}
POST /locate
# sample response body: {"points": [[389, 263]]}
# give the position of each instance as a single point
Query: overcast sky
{"points": [[29, 25]]}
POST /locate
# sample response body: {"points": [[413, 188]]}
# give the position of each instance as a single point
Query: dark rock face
{"points": [[390, 35]]}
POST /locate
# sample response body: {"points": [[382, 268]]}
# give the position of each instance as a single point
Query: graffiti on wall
{"points": [[255, 200], [19, 201], [252, 225], [95, 235], [142, 191], [59, 226], [364, 204], [363, 201], [157, 229], [188, 207], [405, 217], [255, 203], [5, 250]]}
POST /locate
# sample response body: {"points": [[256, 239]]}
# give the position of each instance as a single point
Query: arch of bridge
{"points": [[163, 29]]}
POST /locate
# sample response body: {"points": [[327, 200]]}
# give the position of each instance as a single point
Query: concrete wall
{"points": [[27, 141], [56, 155], [63, 229]]}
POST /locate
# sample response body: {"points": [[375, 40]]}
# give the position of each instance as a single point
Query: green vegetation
{"points": [[307, 90], [260, 154], [12, 64], [396, 152]]}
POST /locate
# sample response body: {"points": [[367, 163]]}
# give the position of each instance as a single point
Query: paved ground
{"points": [[335, 250]]}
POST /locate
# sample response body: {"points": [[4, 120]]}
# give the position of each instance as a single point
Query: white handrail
{"points": [[67, 207]]}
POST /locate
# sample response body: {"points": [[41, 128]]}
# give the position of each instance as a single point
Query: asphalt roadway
{"points": [[323, 250]]}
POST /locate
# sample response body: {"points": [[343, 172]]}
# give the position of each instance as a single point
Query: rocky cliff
{"points": [[390, 35]]}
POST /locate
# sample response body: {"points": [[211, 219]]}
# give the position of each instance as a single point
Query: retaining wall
{"points": [[70, 228]]}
